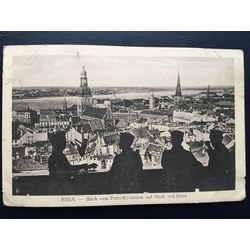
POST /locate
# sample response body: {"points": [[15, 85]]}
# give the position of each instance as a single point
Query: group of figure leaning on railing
{"points": [[182, 171]]}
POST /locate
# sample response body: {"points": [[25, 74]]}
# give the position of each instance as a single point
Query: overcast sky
{"points": [[30, 71]]}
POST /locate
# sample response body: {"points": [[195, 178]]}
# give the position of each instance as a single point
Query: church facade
{"points": [[86, 106]]}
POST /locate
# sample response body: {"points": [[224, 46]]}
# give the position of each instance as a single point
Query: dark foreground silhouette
{"points": [[63, 176], [220, 174], [183, 173], [126, 168]]}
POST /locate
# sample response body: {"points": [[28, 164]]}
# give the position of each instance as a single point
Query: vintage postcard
{"points": [[106, 125]]}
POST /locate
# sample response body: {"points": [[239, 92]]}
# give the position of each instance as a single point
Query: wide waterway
{"points": [[57, 101]]}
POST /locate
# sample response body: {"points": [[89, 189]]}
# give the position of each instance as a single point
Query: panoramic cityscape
{"points": [[94, 118]]}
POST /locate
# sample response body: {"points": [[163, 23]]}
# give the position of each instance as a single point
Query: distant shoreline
{"points": [[131, 87]]}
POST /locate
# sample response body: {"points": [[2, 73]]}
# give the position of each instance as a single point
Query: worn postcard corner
{"points": [[106, 125]]}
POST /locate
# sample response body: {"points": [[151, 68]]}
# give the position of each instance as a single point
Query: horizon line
{"points": [[155, 87]]}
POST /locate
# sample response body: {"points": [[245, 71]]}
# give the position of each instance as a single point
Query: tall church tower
{"points": [[208, 93], [178, 87], [152, 101], [65, 103], [178, 98], [84, 92]]}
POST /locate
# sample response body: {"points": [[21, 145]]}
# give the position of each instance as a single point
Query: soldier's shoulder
{"points": [[167, 150], [117, 156], [187, 153], [134, 153]]}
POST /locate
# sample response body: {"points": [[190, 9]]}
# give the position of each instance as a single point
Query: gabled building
{"points": [[120, 125], [126, 116], [27, 116], [152, 155], [155, 114], [103, 114], [72, 153], [155, 133]]}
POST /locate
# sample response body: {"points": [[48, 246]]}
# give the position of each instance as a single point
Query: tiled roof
{"points": [[75, 119], [70, 149], [85, 127], [226, 139], [121, 124], [140, 132], [39, 144], [151, 139], [72, 108], [154, 147], [92, 148], [142, 120], [155, 131], [195, 144], [96, 124], [230, 121], [158, 112], [22, 127], [93, 138], [81, 122], [28, 165], [198, 123], [48, 112], [95, 112], [104, 157], [111, 139]]}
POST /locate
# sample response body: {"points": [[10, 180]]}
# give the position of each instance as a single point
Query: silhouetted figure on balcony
{"points": [[63, 175], [221, 166], [126, 168], [183, 172]]}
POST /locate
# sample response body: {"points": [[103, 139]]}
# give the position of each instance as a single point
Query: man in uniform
{"points": [[182, 171], [62, 174], [221, 166], [126, 168]]}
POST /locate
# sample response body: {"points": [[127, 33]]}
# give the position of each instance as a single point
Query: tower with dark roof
{"points": [[208, 93], [178, 98], [65, 104], [178, 87], [152, 101], [84, 92], [84, 89]]}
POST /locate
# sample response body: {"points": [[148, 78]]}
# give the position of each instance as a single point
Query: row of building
{"points": [[97, 125]]}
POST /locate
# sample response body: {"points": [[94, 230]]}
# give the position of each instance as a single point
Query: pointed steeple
{"points": [[151, 101], [84, 72], [208, 92], [64, 103], [178, 87], [84, 89]]}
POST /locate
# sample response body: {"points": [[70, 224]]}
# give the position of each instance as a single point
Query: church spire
{"points": [[84, 89], [178, 87], [64, 103], [208, 92]]}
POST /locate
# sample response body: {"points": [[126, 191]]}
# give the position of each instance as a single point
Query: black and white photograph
{"points": [[103, 125]]}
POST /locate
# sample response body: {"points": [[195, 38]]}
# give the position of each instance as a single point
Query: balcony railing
{"points": [[152, 181]]}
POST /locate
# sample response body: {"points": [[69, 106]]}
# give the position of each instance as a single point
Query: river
{"points": [[57, 101]]}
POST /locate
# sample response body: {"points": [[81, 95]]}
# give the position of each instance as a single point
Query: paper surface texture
{"points": [[105, 125]]}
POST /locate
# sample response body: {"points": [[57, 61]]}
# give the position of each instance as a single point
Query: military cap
{"points": [[127, 137], [217, 132], [176, 133], [56, 136]]}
